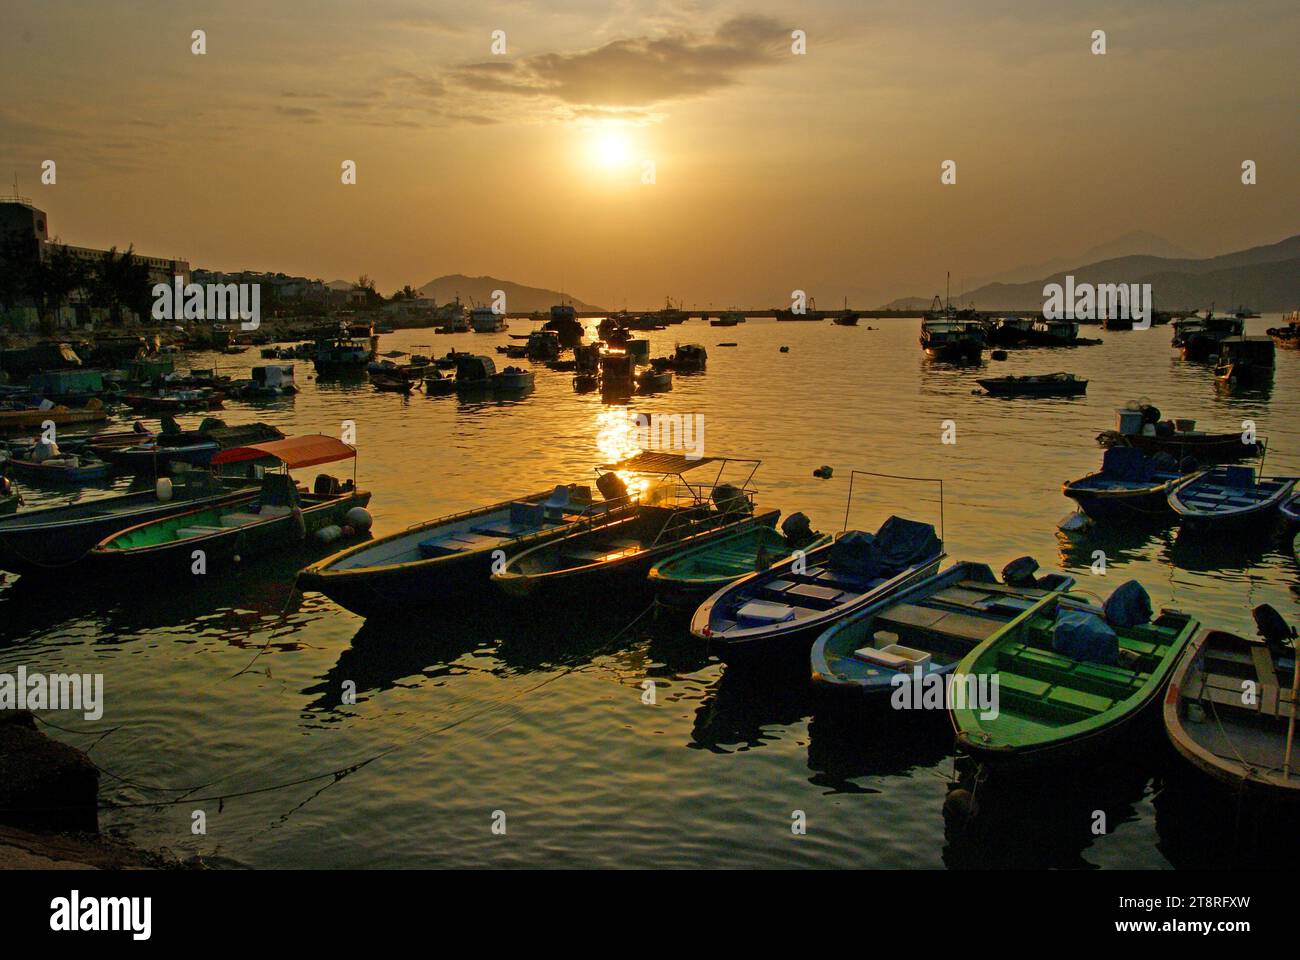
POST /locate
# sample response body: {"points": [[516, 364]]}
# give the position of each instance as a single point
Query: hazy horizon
{"points": [[772, 170]]}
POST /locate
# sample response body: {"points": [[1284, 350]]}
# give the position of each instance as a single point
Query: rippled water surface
{"points": [[234, 688]]}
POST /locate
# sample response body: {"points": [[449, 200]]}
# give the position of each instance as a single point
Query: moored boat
{"points": [[446, 563], [1229, 497], [25, 418], [778, 612], [1129, 487], [281, 516], [687, 577], [1198, 338], [1072, 680], [51, 539], [485, 319], [949, 340], [1244, 742], [44, 463], [926, 629], [1245, 361]]}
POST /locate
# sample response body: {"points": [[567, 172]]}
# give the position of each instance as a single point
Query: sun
{"points": [[611, 150]]}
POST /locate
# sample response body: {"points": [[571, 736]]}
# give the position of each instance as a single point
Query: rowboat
{"points": [[59, 468], [669, 515], [29, 417], [1128, 487], [781, 610], [157, 454], [447, 563], [1228, 498], [281, 515], [1290, 511], [1040, 385], [1069, 682], [54, 538], [1240, 741], [686, 577], [924, 630], [1201, 447]]}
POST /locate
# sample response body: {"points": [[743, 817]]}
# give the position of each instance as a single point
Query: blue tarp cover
{"points": [[1125, 463], [901, 543], [1085, 637], [856, 553], [1129, 605]]}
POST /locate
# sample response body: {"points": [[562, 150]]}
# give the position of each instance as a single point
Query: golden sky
{"points": [[772, 171]]}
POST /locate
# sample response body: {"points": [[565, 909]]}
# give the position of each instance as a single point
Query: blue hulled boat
{"points": [[1229, 497], [1129, 486]]}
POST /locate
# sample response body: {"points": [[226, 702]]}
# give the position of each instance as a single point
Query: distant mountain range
{"points": [[519, 298], [1266, 278]]}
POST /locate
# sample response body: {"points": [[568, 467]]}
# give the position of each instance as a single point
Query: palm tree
{"points": [[121, 280]]}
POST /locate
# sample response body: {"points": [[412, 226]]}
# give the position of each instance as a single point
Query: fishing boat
{"points": [[1009, 331], [51, 539], [732, 318], [1198, 338], [686, 358], [848, 318], [1039, 385], [1244, 742], [281, 516], [394, 382], [174, 401], [780, 611], [1140, 427], [1287, 337], [1245, 361], [44, 463], [685, 578], [926, 629], [1229, 497], [1045, 332], [479, 374], [25, 417], [613, 560], [651, 380], [446, 564], [1072, 680], [341, 355], [161, 453], [543, 345], [1129, 487], [564, 323], [485, 319], [950, 336]]}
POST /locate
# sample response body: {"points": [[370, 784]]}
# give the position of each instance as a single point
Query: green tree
{"points": [[121, 280]]}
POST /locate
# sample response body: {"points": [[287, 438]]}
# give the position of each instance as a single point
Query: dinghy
{"points": [[1228, 498], [1072, 678], [688, 576], [1041, 385], [57, 468], [447, 563], [614, 559], [1244, 742], [926, 629], [53, 538], [281, 516], [1129, 487], [781, 610]]}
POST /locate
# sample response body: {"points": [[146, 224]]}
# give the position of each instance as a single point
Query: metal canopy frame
{"points": [[893, 476]]}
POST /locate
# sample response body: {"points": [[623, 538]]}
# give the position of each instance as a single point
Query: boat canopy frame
{"points": [[293, 452], [853, 474]]}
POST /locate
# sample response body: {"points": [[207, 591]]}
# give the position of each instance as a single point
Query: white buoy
{"points": [[1077, 522], [163, 489], [359, 519]]}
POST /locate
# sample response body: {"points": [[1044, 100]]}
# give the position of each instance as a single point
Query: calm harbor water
{"points": [[235, 689]]}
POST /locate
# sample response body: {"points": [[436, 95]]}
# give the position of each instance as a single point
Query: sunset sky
{"points": [[772, 170]]}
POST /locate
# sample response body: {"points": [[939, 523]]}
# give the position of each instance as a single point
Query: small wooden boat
{"points": [[281, 516], [613, 560], [174, 401], [1060, 699], [1240, 741], [1040, 385], [1202, 448], [1127, 488], [686, 358], [686, 577], [391, 383], [781, 610], [51, 539], [479, 374], [25, 418], [447, 563], [56, 467], [925, 629], [654, 381], [1229, 497]]}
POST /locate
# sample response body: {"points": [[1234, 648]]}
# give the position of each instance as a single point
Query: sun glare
{"points": [[610, 149]]}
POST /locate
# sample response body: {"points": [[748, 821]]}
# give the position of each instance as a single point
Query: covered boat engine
{"points": [[611, 486], [797, 530], [731, 499]]}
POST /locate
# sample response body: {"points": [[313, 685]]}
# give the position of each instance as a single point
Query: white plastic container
{"points": [[1128, 422]]}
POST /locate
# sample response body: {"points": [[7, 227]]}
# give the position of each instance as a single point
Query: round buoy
{"points": [[824, 472], [359, 519], [163, 489], [327, 535], [785, 349]]}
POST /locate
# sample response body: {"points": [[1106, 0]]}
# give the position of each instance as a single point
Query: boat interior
{"points": [[933, 630], [480, 529], [1228, 726], [1125, 468], [1040, 686], [1230, 489]]}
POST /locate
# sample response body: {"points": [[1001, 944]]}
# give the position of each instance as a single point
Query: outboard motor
{"points": [[1279, 636], [611, 486], [1020, 572], [1188, 464], [797, 530], [1164, 462]]}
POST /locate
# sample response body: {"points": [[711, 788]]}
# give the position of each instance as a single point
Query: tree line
{"points": [[114, 281]]}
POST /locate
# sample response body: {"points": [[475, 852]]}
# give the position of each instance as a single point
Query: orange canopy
{"points": [[293, 452]]}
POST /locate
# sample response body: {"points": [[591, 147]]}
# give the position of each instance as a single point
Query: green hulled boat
{"points": [[1052, 706], [689, 576], [281, 516]]}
